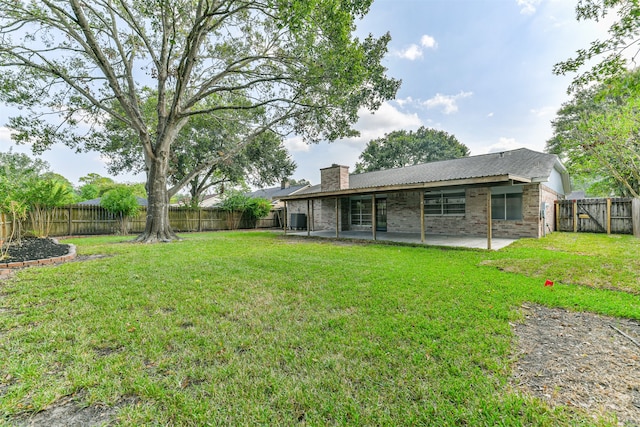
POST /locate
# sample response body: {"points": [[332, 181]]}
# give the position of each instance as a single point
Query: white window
{"points": [[444, 203], [361, 211], [508, 205]]}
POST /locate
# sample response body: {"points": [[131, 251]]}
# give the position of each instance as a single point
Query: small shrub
{"points": [[121, 202]]}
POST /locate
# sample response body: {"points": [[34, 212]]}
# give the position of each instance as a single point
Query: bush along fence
{"points": [[77, 220], [611, 216]]}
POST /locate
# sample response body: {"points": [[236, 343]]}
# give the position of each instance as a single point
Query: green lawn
{"points": [[253, 328]]}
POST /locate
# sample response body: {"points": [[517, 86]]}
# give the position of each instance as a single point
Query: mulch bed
{"points": [[581, 360], [32, 248]]}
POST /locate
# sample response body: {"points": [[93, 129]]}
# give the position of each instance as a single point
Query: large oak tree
{"points": [[66, 63]]}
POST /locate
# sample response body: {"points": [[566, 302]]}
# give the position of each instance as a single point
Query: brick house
{"points": [[508, 194]]}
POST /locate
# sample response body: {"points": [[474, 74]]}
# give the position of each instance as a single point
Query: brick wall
{"points": [[403, 214], [334, 178]]}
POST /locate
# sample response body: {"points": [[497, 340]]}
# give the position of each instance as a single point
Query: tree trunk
{"points": [[157, 227]]}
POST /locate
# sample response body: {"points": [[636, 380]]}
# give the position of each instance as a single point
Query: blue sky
{"points": [[477, 69]]}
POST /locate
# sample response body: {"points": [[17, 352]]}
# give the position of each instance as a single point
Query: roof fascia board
{"points": [[419, 186]]}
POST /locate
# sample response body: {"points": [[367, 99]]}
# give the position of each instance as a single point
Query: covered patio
{"points": [[412, 238]]}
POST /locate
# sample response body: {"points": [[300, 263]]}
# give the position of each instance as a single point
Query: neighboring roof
{"points": [[275, 193], [96, 202], [576, 195], [521, 165]]}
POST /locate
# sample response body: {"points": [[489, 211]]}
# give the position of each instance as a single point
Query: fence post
{"points": [[69, 224], [3, 224], [608, 215], [575, 216], [199, 219], [635, 216]]}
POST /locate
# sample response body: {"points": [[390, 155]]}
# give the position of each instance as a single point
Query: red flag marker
{"points": [[548, 283]]}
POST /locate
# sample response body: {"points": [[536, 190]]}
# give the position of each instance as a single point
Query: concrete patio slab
{"points": [[478, 242]]}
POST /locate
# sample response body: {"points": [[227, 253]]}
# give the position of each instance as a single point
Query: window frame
{"points": [[365, 209], [445, 203], [504, 196]]}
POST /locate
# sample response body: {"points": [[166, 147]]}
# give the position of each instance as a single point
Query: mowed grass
{"points": [[252, 328]]}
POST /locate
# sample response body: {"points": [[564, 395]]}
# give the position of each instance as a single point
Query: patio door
{"points": [[381, 214]]}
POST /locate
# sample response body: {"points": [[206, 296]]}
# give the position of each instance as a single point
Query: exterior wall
{"points": [[403, 214], [555, 182], [472, 223], [322, 213], [529, 225], [549, 197]]}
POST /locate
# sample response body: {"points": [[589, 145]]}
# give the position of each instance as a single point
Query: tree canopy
{"points": [[401, 148], [597, 134], [613, 53], [71, 65], [209, 151]]}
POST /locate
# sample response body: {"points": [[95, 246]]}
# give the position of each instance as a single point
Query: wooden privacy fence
{"points": [[611, 216], [87, 219]]}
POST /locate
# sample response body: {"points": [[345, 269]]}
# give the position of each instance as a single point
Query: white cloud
{"points": [[5, 136], [544, 111], [386, 119], [490, 114], [503, 144], [528, 7], [406, 101], [411, 53], [370, 125], [415, 51], [295, 144], [448, 103], [428, 42]]}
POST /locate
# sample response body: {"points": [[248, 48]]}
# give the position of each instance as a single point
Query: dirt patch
{"points": [[69, 413], [581, 360]]}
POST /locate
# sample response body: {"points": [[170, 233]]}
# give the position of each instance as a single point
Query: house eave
{"points": [[493, 180]]}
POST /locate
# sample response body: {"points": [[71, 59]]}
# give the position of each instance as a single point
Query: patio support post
{"points": [[308, 219], [374, 225], [489, 218], [313, 215], [337, 231], [422, 216], [284, 220]]}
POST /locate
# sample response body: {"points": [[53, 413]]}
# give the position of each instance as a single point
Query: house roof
{"points": [[275, 193], [521, 165], [96, 202]]}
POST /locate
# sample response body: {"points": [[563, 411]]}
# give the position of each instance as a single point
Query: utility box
{"points": [[298, 221]]}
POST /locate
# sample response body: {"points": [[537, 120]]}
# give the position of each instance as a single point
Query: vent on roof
{"points": [[501, 155]]}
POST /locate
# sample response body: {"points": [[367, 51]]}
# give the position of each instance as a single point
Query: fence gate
{"points": [[595, 215]]}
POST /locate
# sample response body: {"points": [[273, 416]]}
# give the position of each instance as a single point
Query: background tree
{"points": [[293, 59], [624, 39], [401, 148], [597, 134], [295, 182], [18, 168]]}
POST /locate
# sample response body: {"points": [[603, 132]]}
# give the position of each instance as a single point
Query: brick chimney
{"points": [[334, 178], [284, 183]]}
